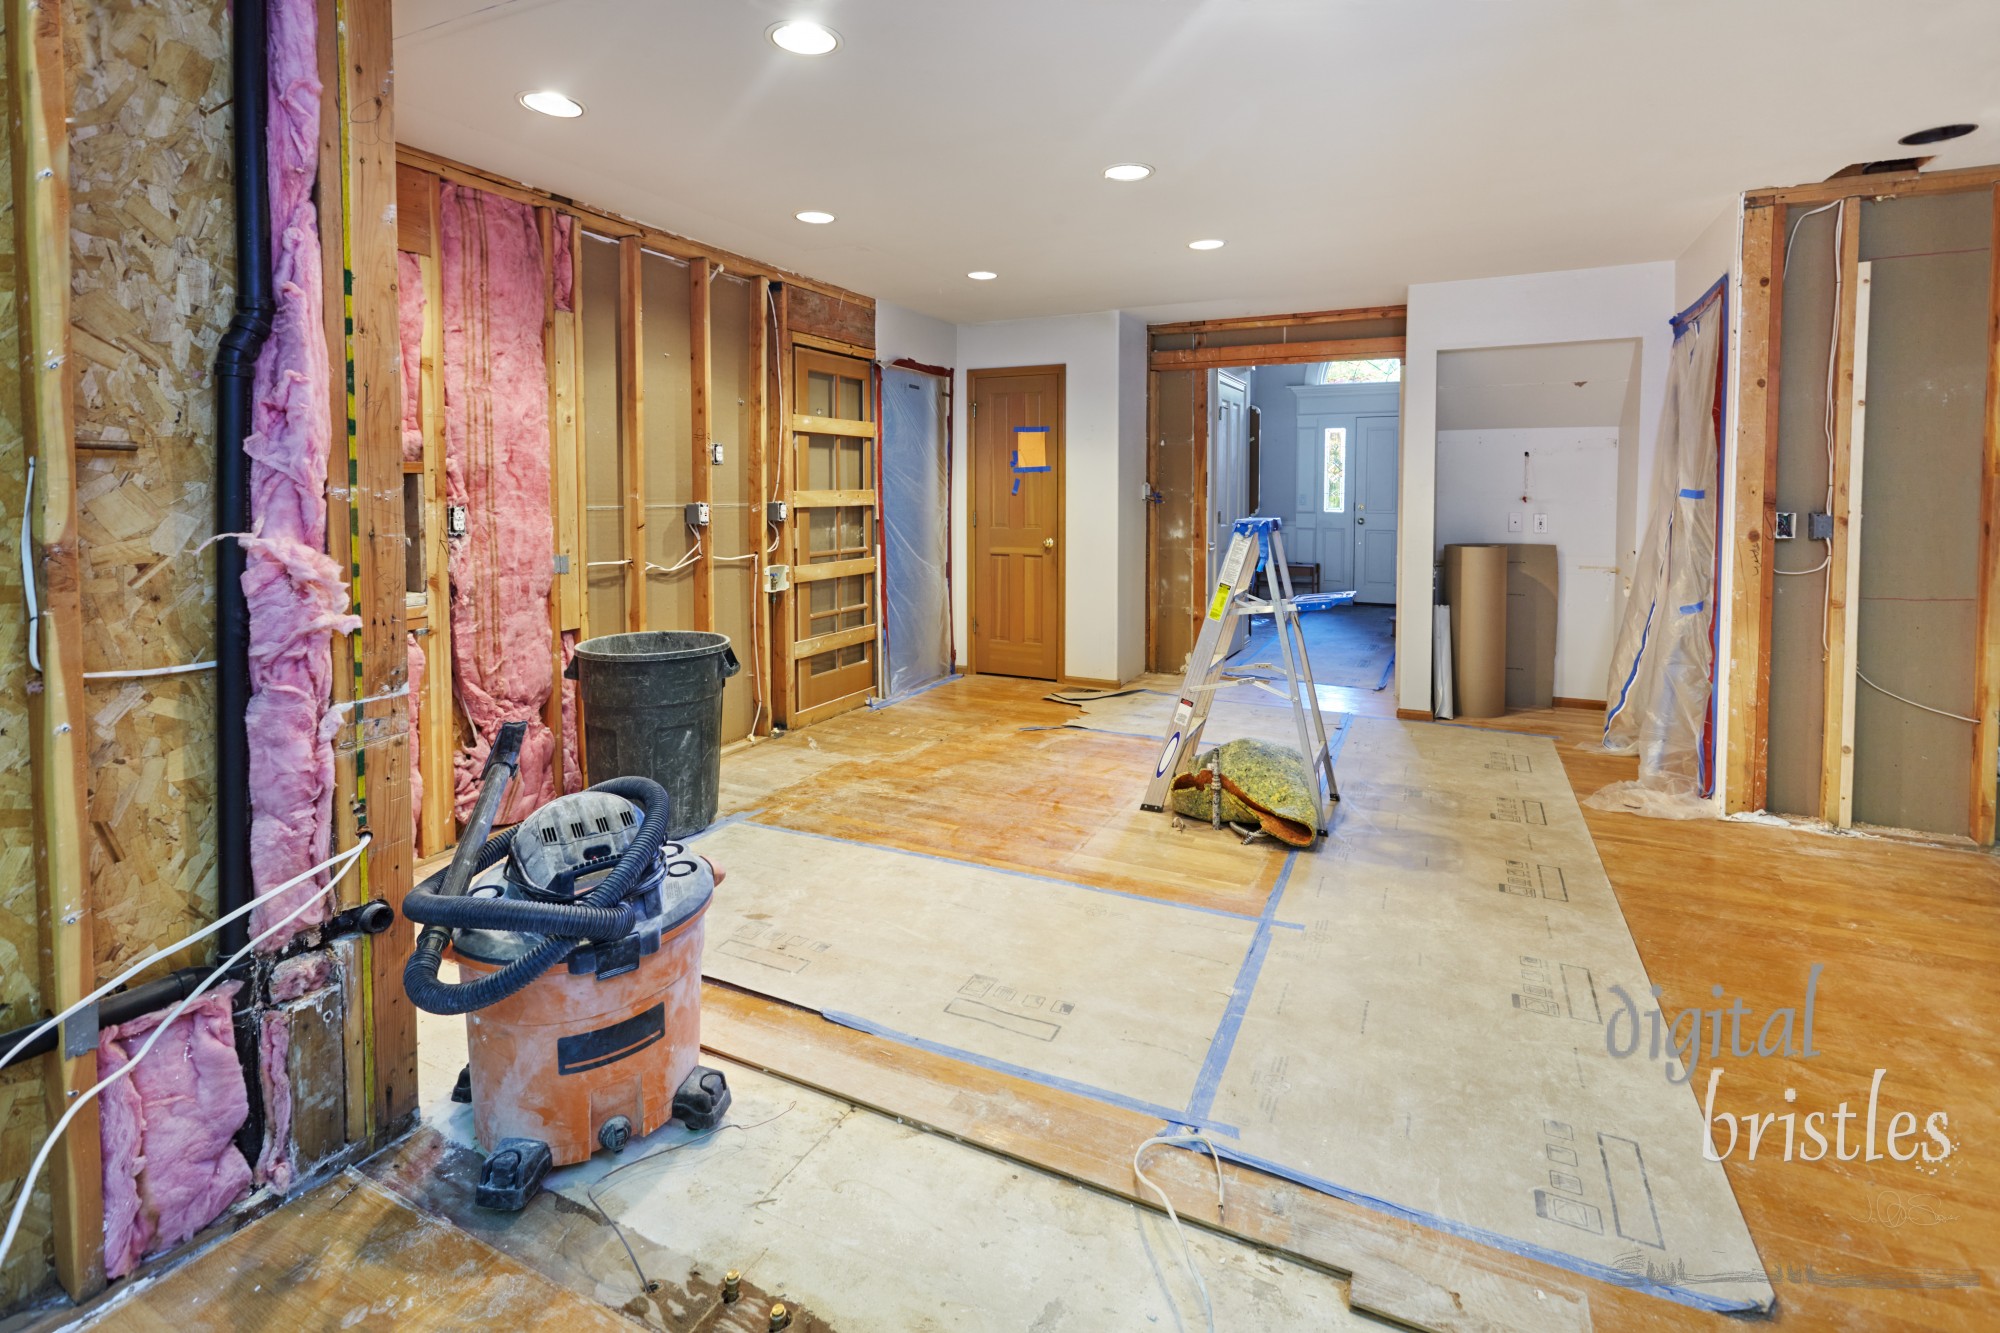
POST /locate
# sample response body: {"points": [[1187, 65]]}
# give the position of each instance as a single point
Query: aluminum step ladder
{"points": [[1255, 541]]}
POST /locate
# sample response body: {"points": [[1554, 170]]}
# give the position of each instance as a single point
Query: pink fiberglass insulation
{"points": [[274, 1049], [564, 282], [297, 599], [410, 333], [170, 1167], [572, 751], [300, 975], [415, 660], [497, 465]]}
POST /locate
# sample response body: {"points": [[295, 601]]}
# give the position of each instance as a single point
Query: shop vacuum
{"points": [[577, 935]]}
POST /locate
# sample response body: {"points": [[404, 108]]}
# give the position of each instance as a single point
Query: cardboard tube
{"points": [[1475, 587]]}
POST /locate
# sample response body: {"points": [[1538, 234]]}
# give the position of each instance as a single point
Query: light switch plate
{"points": [[1514, 521], [1541, 523]]}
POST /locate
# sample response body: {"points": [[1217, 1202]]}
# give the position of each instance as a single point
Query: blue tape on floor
{"points": [[1388, 670], [1060, 1084], [1603, 1272], [718, 826], [1003, 870], [1224, 1041]]}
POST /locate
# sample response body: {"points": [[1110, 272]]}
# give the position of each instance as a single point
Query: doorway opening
{"points": [[1016, 588]]}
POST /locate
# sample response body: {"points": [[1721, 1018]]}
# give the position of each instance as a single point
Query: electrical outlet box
{"points": [[774, 511], [777, 578], [1514, 521], [562, 564], [715, 452], [1784, 525], [456, 520], [697, 514], [1541, 523], [1819, 527]]}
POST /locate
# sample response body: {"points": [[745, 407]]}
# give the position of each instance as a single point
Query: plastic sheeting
{"points": [[296, 597], [916, 531], [1661, 689], [170, 1165], [496, 401]]}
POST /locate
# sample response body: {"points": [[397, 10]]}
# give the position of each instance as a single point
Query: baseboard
{"points": [[1089, 683], [1594, 705], [1415, 714]]}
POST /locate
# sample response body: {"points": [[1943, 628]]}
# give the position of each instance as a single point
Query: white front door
{"points": [[1373, 454]]}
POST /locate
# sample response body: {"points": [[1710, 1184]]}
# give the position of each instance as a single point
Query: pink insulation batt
{"points": [[274, 1050], [169, 1165], [410, 333], [563, 272], [497, 465], [297, 599]]}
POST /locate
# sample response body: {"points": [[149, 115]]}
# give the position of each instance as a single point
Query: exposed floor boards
{"points": [[1909, 936]]}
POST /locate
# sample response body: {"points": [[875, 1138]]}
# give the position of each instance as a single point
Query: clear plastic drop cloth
{"points": [[916, 531], [1662, 686]]}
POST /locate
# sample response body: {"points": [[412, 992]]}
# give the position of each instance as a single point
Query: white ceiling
{"points": [[1344, 148], [1548, 384]]}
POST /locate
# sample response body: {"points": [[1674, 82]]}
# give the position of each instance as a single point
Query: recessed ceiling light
{"points": [[981, 275], [804, 38], [552, 104], [814, 216], [1210, 244], [1128, 171], [1937, 134]]}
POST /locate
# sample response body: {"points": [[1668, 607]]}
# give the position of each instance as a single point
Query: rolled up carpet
{"points": [[1262, 783]]}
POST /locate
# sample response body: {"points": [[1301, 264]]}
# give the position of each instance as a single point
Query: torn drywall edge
{"points": [[169, 1164]]}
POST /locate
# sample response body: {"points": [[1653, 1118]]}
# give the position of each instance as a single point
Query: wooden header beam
{"points": [[1890, 184], [1282, 321], [1278, 354]]}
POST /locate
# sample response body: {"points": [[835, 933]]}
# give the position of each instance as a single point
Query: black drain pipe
{"points": [[235, 373]]}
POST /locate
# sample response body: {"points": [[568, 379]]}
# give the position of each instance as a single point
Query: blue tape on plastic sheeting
{"points": [[1004, 870], [1055, 1081], [1588, 1268], [1695, 608], [1687, 494]]}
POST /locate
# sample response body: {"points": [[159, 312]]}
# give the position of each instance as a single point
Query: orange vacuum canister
{"points": [[578, 936]]}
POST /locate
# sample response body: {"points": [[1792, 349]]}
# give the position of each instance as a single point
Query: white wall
{"points": [[1104, 520], [1573, 476], [902, 334], [1581, 305]]}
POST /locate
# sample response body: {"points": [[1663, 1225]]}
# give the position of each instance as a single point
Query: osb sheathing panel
{"points": [[22, 1121], [830, 317], [152, 252]]}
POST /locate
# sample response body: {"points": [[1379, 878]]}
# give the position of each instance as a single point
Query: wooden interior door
{"points": [[1017, 545], [833, 533]]}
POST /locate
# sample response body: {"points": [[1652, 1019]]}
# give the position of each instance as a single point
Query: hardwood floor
{"points": [[1907, 937]]}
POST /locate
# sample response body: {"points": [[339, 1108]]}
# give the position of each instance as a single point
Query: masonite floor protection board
{"points": [[1102, 993], [1431, 969]]}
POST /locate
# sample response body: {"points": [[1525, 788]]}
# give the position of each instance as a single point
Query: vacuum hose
{"points": [[605, 913]]}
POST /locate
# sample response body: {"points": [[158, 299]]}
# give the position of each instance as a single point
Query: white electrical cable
{"points": [[1956, 717], [90, 1095], [1170, 1139], [149, 671], [28, 573], [606, 564], [168, 950]]}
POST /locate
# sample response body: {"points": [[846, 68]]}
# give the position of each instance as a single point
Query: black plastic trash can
{"points": [[652, 708]]}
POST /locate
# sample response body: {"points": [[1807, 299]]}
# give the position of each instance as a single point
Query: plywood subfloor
{"points": [[1909, 936]]}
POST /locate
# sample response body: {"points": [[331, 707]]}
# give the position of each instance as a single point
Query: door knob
{"points": [[1048, 543], [1359, 521]]}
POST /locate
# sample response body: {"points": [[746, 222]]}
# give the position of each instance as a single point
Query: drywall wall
{"points": [[1709, 256], [1579, 305], [904, 335], [1572, 477], [1104, 442], [1277, 463]]}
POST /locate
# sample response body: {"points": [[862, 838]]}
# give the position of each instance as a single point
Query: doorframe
{"points": [[972, 472]]}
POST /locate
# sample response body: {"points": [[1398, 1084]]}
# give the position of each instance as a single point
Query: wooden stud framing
{"points": [[40, 155], [1754, 487], [358, 225], [700, 437], [784, 470], [578, 520], [837, 346], [1308, 317], [1889, 185], [560, 389], [438, 721], [1986, 682], [1836, 787], [1278, 354], [631, 427], [1152, 512], [1198, 553], [760, 490], [618, 227]]}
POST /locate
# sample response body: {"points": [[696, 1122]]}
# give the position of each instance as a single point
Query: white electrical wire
{"points": [[149, 671], [1170, 1139], [28, 573], [1956, 717], [168, 950], [90, 1095]]}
